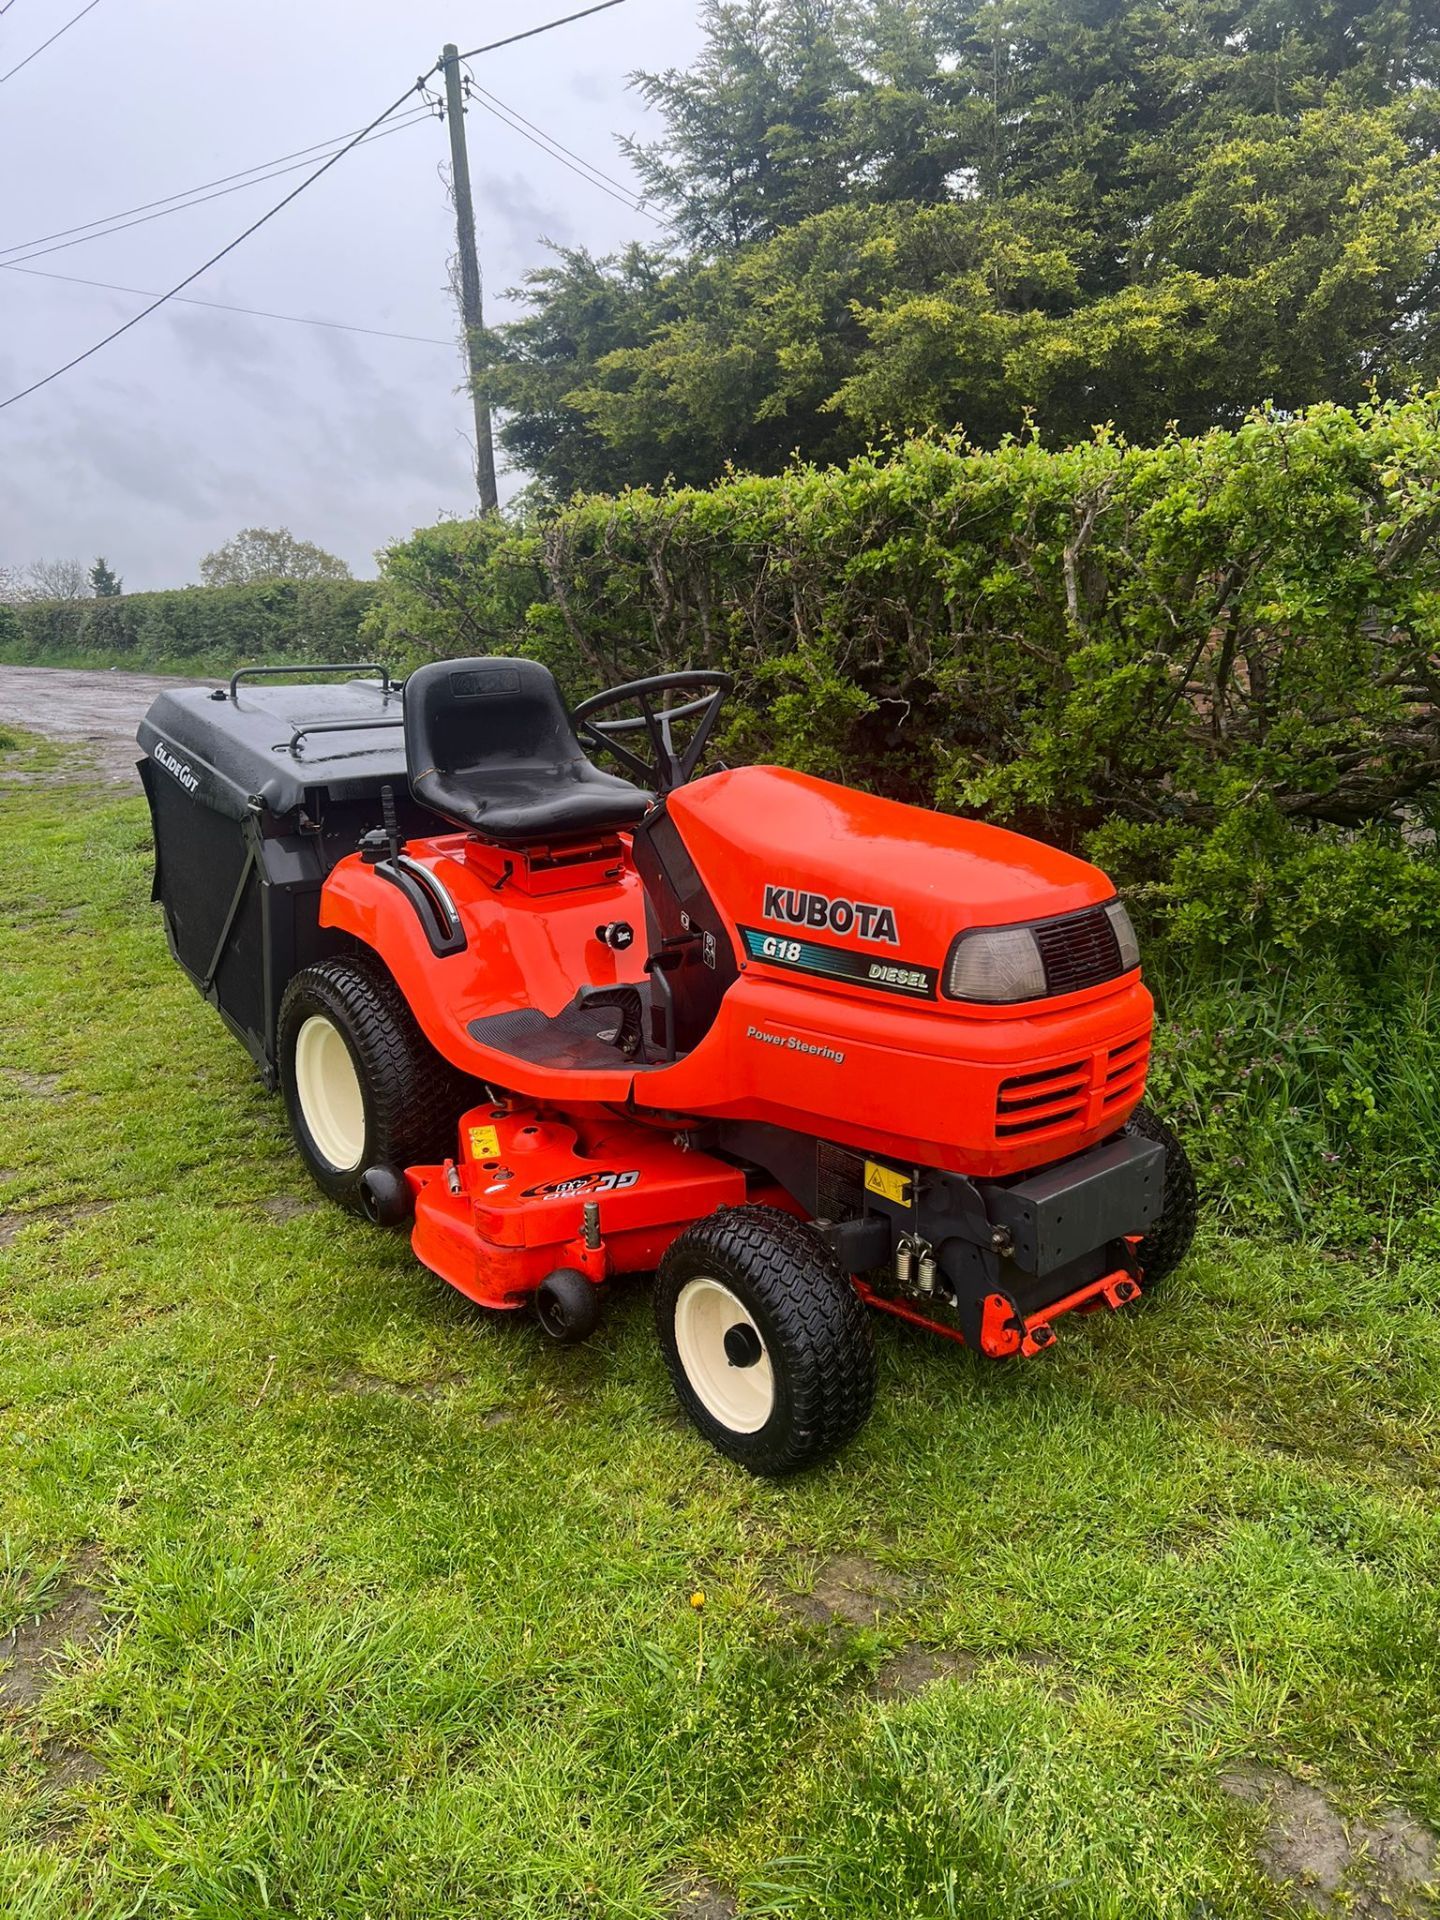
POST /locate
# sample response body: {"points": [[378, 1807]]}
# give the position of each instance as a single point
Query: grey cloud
{"points": [[587, 84], [508, 202]]}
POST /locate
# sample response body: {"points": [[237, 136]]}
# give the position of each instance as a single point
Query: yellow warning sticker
{"points": [[889, 1184], [484, 1143]]}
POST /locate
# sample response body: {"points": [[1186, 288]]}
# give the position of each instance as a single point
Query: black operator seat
{"points": [[489, 745]]}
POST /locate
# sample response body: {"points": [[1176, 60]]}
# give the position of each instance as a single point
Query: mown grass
{"points": [[398, 1599]]}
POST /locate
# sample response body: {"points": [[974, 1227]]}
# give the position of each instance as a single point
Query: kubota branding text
{"points": [[840, 916]]}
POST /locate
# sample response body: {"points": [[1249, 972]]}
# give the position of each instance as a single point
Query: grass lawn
{"points": [[329, 1596]]}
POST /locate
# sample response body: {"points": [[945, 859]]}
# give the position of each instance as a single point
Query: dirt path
{"points": [[101, 709]]}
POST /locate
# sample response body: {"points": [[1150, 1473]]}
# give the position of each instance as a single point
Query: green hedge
{"points": [[194, 628]]}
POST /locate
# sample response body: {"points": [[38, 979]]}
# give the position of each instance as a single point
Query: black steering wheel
{"points": [[669, 766]]}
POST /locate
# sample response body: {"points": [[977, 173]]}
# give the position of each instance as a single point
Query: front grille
{"points": [[1051, 1097], [1079, 951], [1077, 1094]]}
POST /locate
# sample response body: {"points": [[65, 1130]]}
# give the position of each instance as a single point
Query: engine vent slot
{"points": [[1048, 1097], [1125, 1069], [1080, 950]]}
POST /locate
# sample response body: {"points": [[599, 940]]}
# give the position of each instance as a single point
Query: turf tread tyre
{"points": [[413, 1097], [815, 1329], [1166, 1245]]}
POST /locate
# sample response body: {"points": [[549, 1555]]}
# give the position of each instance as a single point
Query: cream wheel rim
{"points": [[328, 1089], [724, 1356]]}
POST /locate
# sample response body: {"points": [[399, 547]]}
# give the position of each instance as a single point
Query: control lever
{"points": [[388, 815]]}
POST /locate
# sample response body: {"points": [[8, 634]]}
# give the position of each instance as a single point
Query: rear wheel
{"points": [[363, 1086], [766, 1341], [1168, 1241]]}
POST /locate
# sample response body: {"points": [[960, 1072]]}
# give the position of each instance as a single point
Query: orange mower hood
{"points": [[780, 850]]}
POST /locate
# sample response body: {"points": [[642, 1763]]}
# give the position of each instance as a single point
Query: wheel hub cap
{"points": [[328, 1089], [742, 1345], [724, 1355]]}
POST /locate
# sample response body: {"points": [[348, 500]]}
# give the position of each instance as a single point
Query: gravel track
{"points": [[99, 710]]}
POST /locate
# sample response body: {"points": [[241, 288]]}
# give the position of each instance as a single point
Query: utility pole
{"points": [[471, 310]]}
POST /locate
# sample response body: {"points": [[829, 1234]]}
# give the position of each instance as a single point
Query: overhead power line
{"points": [[204, 267], [173, 293], [261, 166], [493, 46], [224, 306], [47, 43], [143, 219], [537, 136]]}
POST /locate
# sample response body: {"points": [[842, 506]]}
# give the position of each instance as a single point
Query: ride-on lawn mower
{"points": [[797, 1050]]}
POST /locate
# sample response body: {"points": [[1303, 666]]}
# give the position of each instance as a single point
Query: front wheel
{"points": [[766, 1340], [1168, 1241]]}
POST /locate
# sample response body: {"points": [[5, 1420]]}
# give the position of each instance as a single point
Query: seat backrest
{"points": [[461, 715]]}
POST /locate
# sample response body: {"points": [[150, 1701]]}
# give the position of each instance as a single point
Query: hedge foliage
{"points": [[1212, 662], [195, 627]]}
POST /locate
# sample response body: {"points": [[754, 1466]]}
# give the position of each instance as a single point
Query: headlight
{"points": [[998, 964], [1048, 958], [1125, 935]]}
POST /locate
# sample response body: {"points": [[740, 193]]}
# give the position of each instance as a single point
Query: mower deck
{"points": [[530, 1194]]}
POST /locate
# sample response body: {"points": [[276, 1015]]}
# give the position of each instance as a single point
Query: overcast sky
{"points": [[198, 423]]}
